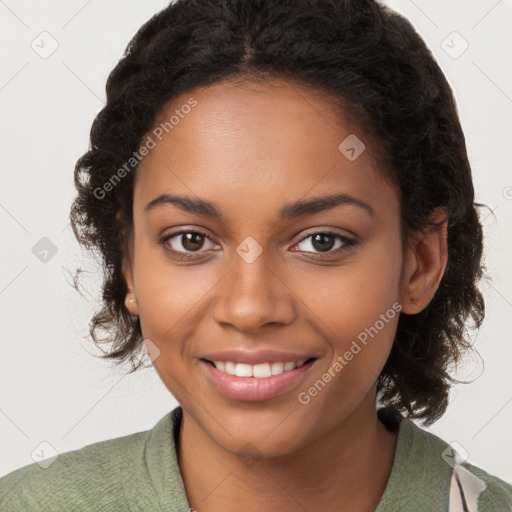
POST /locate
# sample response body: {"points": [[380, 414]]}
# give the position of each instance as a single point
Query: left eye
{"points": [[324, 242]]}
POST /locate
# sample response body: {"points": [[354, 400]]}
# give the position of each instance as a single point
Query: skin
{"points": [[251, 149]]}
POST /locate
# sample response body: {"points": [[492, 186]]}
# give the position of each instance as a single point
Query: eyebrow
{"points": [[289, 211]]}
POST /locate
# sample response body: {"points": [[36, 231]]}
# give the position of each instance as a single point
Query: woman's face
{"points": [[267, 279]]}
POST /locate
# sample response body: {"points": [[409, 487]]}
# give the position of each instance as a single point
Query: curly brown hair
{"points": [[374, 65]]}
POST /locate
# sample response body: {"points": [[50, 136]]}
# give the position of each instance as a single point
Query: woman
{"points": [[281, 195]]}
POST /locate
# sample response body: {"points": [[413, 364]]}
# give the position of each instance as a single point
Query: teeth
{"points": [[260, 371], [277, 368], [229, 367], [243, 370]]}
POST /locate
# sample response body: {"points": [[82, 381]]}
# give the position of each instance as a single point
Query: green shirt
{"points": [[140, 472]]}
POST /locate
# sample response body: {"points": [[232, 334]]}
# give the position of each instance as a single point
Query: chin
{"points": [[257, 436]]}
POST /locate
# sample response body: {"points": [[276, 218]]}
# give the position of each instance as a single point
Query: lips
{"points": [[255, 376]]}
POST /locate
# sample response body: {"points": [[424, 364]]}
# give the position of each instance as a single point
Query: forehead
{"points": [[257, 145]]}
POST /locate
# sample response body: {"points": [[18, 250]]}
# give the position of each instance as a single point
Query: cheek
{"points": [[350, 297], [356, 308], [170, 299], [168, 294]]}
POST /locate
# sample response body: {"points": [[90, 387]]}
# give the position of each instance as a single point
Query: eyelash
{"points": [[347, 244]]}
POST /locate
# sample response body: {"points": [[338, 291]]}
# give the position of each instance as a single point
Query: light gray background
{"points": [[52, 389]]}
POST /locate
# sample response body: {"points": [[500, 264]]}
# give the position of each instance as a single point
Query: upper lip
{"points": [[256, 357]]}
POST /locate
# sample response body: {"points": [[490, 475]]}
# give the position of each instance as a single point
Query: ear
{"points": [[130, 300], [424, 264]]}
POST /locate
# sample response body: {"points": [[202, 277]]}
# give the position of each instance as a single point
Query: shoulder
{"points": [[90, 477], [496, 494], [473, 484]]}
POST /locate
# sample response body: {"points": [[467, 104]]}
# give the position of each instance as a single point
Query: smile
{"points": [[253, 383], [259, 371]]}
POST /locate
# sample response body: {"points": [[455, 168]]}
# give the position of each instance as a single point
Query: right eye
{"points": [[191, 241]]}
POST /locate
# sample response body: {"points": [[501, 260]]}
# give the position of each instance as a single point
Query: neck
{"points": [[347, 468]]}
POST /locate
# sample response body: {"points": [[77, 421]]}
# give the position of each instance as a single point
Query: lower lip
{"points": [[252, 389]]}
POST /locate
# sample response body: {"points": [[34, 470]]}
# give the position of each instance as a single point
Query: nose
{"points": [[254, 295]]}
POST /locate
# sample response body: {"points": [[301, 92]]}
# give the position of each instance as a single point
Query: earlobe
{"points": [[424, 265], [131, 304]]}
